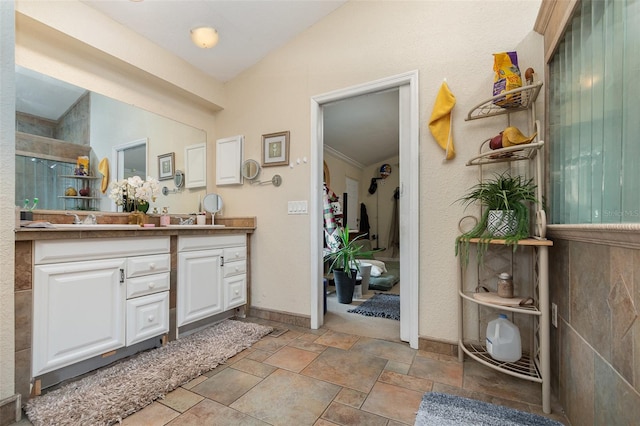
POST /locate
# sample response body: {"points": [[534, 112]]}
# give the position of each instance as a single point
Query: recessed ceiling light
{"points": [[204, 37]]}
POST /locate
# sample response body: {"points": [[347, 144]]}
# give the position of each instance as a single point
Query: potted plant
{"points": [[345, 264], [506, 201]]}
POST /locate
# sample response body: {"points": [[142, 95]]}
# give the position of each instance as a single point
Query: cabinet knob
{"points": [[151, 318], [152, 265], [237, 254], [237, 268], [237, 291], [152, 284]]}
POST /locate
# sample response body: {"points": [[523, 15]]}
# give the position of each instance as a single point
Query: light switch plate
{"points": [[297, 207]]}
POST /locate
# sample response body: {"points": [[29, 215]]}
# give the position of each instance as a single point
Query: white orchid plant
{"points": [[132, 192]]}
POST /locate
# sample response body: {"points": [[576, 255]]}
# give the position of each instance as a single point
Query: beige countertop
{"points": [[231, 225]]}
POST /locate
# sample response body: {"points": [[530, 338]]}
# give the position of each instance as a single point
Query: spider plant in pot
{"points": [[505, 201], [345, 264]]}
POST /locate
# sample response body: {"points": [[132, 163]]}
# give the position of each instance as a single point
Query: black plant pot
{"points": [[345, 283]]}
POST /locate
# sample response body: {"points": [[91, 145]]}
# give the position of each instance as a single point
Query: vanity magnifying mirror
{"points": [[250, 169], [212, 203], [178, 181]]}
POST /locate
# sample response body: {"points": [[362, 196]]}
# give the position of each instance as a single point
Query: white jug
{"points": [[503, 340]]}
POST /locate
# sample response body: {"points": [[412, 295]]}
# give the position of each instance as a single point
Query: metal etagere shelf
{"points": [[81, 202]]}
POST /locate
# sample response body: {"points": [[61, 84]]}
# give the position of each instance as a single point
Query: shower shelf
{"points": [[81, 202]]}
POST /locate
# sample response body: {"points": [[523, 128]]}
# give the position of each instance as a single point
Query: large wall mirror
{"points": [[57, 122]]}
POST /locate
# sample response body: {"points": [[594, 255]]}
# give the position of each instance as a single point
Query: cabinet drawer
{"points": [[147, 316], [234, 268], [145, 265], [147, 284], [235, 253], [235, 291], [55, 251], [208, 242]]}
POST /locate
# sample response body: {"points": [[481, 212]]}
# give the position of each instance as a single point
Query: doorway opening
{"points": [[130, 159], [407, 86]]}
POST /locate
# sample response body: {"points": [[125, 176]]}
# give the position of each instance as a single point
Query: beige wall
{"points": [[362, 42]]}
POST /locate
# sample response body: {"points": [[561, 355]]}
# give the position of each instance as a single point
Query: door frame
{"points": [[407, 83]]}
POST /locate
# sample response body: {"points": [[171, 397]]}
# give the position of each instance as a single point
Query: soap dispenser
{"points": [[165, 219]]}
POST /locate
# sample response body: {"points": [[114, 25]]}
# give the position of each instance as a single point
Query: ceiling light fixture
{"points": [[204, 37]]}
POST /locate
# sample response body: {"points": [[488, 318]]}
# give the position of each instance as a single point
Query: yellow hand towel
{"points": [[103, 168], [440, 122]]}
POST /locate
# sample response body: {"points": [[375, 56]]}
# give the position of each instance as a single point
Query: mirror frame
{"points": [[325, 174]]}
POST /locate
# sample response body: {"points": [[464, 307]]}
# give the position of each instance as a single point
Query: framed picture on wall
{"points": [[275, 149], [166, 166]]}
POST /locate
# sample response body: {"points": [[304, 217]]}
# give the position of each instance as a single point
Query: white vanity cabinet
{"points": [[211, 275], [96, 295]]}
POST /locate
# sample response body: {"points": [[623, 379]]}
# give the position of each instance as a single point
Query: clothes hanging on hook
{"points": [[364, 221], [394, 229]]}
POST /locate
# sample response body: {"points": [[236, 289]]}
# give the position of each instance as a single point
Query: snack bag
{"points": [[507, 78], [82, 166]]}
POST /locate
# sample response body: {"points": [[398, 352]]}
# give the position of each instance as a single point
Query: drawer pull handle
{"points": [[237, 268], [237, 291], [152, 284], [152, 266], [150, 319]]}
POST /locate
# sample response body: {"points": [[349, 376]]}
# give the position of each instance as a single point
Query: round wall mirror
{"points": [[212, 203], [325, 174], [178, 179], [250, 169]]}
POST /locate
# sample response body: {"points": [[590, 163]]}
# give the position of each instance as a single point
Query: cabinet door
{"points": [[195, 158], [78, 312], [199, 285], [229, 157]]}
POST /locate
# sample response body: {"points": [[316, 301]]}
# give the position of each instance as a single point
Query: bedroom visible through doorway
{"points": [[406, 189]]}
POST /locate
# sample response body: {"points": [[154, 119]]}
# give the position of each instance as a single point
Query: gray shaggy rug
{"points": [[115, 392], [380, 305], [441, 409]]}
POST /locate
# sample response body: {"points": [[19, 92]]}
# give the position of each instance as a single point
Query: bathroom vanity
{"points": [[86, 298]]}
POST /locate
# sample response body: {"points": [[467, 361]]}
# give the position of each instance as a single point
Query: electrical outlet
{"points": [[554, 315]]}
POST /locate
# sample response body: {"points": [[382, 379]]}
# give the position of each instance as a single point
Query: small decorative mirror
{"points": [[212, 203], [178, 179], [250, 169]]}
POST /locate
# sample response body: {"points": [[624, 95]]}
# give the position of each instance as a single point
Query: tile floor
{"points": [[324, 377]]}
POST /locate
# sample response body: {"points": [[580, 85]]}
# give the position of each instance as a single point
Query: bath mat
{"points": [[115, 392], [441, 409], [380, 305]]}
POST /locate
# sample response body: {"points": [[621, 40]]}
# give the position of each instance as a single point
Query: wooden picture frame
{"points": [[275, 149], [166, 166]]}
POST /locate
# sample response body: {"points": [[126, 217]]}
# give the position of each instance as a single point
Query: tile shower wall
{"points": [[595, 373], [37, 177]]}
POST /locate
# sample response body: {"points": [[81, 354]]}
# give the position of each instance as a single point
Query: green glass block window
{"points": [[594, 116]]}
